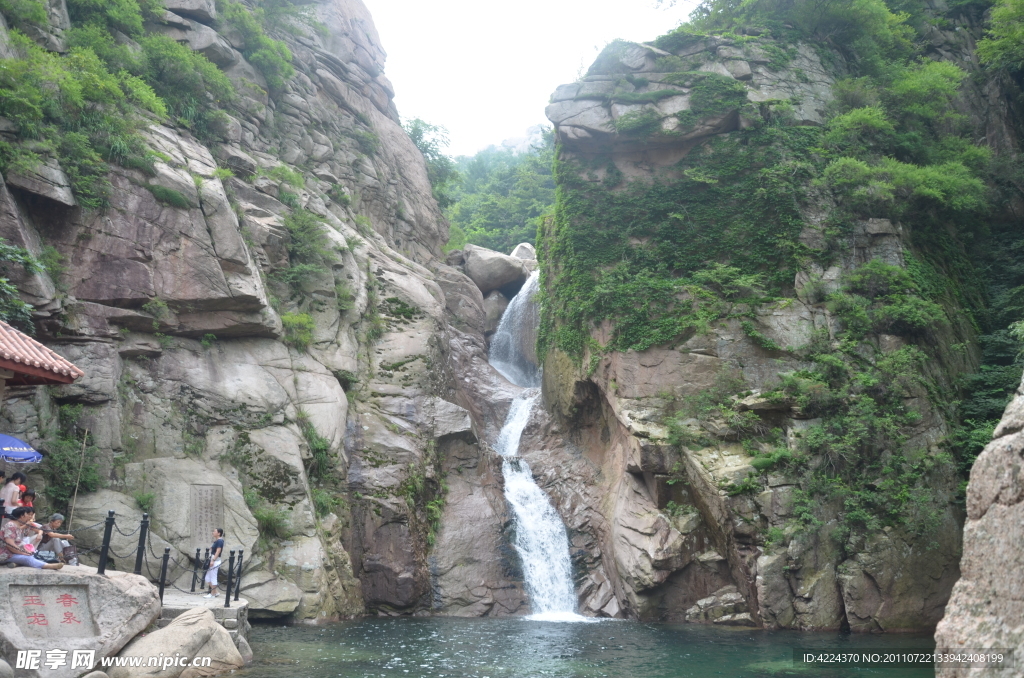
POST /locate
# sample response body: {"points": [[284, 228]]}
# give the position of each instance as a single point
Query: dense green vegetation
{"points": [[716, 237], [87, 108], [70, 460], [496, 198], [502, 197], [12, 309]]}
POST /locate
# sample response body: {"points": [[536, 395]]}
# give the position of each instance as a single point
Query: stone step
{"points": [[230, 624]]}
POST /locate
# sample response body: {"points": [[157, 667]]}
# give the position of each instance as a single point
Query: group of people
{"points": [[14, 493], [23, 542]]}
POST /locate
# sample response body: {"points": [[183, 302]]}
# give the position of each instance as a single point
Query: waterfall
{"points": [[512, 346], [541, 540]]}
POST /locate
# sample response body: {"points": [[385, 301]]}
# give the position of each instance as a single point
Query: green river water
{"points": [[520, 648]]}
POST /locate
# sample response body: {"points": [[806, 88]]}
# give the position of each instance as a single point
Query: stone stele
{"points": [[71, 610]]}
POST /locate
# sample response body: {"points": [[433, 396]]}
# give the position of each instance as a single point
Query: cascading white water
{"points": [[512, 344], [541, 540]]}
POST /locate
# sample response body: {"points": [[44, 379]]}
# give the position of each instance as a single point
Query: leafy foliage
{"points": [[12, 309], [502, 197], [271, 57], [1004, 45], [298, 329], [64, 458], [319, 464], [431, 140]]}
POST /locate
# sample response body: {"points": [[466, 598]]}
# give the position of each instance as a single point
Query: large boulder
{"points": [[92, 508], [525, 251], [269, 595], [195, 633], [492, 270], [72, 609], [495, 304]]}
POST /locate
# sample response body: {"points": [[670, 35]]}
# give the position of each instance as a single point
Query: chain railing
{"points": [[144, 549]]}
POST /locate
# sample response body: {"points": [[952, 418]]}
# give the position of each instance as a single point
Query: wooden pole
{"points": [[78, 480]]}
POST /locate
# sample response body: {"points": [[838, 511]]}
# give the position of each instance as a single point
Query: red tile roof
{"points": [[24, 355]]}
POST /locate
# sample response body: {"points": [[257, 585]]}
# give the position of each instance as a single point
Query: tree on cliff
{"points": [[432, 140]]}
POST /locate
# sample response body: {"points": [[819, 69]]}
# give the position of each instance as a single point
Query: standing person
{"points": [[28, 498], [215, 551], [11, 493], [14, 536]]}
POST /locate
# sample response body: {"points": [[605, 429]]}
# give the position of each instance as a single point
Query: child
{"points": [[27, 497]]}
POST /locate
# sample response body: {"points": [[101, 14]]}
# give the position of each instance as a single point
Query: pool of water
{"points": [[521, 648]]}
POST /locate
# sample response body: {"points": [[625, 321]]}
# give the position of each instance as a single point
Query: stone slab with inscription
{"points": [[207, 512], [64, 614], [191, 499]]}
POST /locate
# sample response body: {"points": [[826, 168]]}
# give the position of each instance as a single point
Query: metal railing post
{"points": [[231, 571], [163, 571], [141, 551], [107, 529], [195, 572], [206, 568], [238, 580]]}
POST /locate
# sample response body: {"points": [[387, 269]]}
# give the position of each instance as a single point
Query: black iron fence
{"points": [[144, 550]]}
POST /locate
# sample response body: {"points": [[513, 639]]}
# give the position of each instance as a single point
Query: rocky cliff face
{"points": [[690, 518], [345, 429], [985, 605]]}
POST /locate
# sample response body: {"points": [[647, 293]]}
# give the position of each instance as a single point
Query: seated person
{"points": [[15, 541], [56, 543]]}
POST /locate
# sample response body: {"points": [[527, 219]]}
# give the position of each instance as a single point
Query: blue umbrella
{"points": [[17, 451]]}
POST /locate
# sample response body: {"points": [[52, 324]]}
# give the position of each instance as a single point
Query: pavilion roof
{"points": [[31, 362]]}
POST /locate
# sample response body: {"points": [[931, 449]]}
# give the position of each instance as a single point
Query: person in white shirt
{"points": [[11, 492]]}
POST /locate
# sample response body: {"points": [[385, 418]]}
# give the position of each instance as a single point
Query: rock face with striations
{"points": [[985, 609], [325, 410], [346, 412], [702, 530]]}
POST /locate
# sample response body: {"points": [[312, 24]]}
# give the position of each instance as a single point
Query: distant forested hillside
{"points": [[501, 196]]}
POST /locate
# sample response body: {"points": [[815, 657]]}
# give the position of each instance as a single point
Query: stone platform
{"points": [[235, 618]]}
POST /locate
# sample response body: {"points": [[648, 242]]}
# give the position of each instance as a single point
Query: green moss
{"points": [[662, 259], [638, 123], [320, 463], [169, 196], [298, 330]]}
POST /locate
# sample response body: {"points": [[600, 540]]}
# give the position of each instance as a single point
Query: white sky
{"points": [[485, 69]]}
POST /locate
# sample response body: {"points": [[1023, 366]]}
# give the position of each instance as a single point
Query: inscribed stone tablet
{"points": [[207, 509], [53, 612]]}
